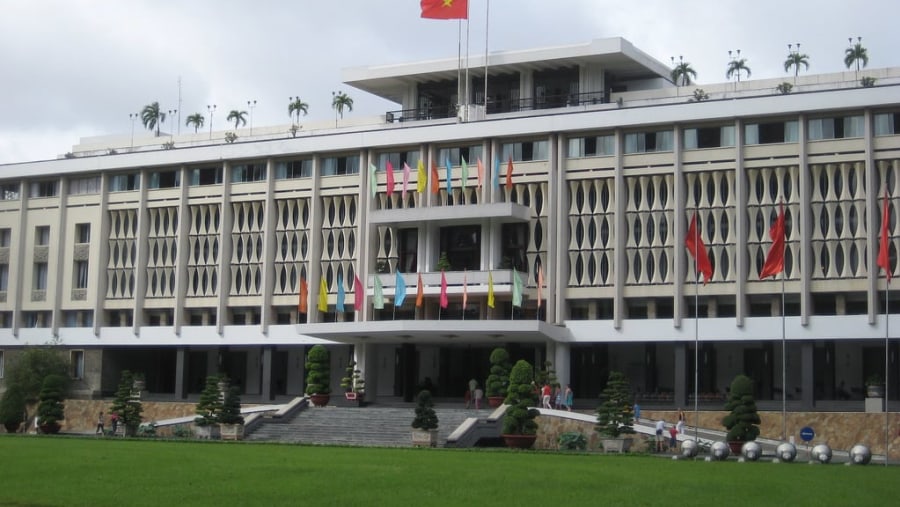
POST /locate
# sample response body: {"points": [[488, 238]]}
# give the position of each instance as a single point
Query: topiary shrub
{"points": [[519, 418], [426, 419], [52, 410], [615, 414], [127, 404], [231, 408], [209, 407], [12, 408], [572, 441], [742, 422], [498, 380], [318, 368]]}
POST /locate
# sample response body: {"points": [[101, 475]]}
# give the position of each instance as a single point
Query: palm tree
{"points": [[196, 120], [339, 101], [239, 117], [856, 53], [297, 106], [683, 72], [795, 60], [735, 67], [152, 117]]}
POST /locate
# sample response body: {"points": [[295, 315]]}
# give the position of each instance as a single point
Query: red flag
{"points": [[695, 246], [445, 9], [509, 170], [444, 301], [390, 178], [358, 294], [304, 296], [420, 293], [775, 258], [884, 249], [435, 179]]}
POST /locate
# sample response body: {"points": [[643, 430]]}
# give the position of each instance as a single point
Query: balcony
{"points": [[475, 282], [502, 211]]}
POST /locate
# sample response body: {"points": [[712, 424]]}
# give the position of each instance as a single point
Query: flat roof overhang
{"points": [[437, 332], [503, 211]]}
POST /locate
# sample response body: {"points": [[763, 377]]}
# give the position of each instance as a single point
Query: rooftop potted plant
{"points": [[742, 422], [51, 410], [318, 376], [353, 384], [209, 407], [230, 418], [615, 414], [425, 424], [498, 380], [443, 263], [519, 426]]}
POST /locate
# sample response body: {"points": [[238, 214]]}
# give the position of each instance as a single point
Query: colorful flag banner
{"points": [[405, 180], [389, 169], [444, 301], [465, 172], [509, 171], [495, 178], [422, 177], [399, 291], [359, 296], [420, 292], [445, 9], [480, 173], [517, 289], [341, 295], [449, 176], [490, 301], [884, 249], [378, 303], [304, 296], [465, 290], [323, 295], [694, 243], [373, 182], [435, 179], [775, 257]]}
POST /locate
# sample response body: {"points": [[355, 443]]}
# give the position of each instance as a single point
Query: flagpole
{"points": [[783, 364], [887, 418], [697, 329], [467, 70], [458, 67], [487, 19]]}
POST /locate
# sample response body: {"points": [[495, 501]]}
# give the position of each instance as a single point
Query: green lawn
{"points": [[69, 471]]}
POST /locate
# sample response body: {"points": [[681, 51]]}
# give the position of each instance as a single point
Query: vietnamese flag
{"points": [[445, 9], [695, 246], [775, 258], [884, 249]]}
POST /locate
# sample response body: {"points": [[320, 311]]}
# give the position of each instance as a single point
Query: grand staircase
{"points": [[367, 426]]}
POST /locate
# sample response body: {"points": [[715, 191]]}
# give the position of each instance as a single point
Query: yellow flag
{"points": [[490, 290], [323, 296], [422, 177]]}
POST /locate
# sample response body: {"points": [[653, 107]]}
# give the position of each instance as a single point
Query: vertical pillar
{"points": [[680, 384], [805, 224], [807, 382], [619, 226], [680, 253], [180, 366], [742, 259], [266, 387], [562, 363]]}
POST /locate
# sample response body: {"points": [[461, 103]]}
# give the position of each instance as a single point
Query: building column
{"points": [[562, 363], [180, 365], [680, 381], [266, 387], [807, 382], [680, 253], [620, 231], [805, 223]]}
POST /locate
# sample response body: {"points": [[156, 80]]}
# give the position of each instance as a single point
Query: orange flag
{"points": [[509, 170], [480, 173], [435, 179], [304, 296], [420, 292]]}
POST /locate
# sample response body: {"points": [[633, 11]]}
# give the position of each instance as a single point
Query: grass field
{"points": [[66, 471]]}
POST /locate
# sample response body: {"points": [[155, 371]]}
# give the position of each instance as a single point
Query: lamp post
{"points": [[172, 113], [251, 104], [211, 109], [132, 117]]}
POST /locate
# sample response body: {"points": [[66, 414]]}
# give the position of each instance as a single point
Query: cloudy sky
{"points": [[76, 68]]}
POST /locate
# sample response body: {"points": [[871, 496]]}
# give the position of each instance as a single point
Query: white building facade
{"points": [[585, 164]]}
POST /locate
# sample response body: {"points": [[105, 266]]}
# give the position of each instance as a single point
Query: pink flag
{"points": [[358, 295], [405, 179], [390, 178], [480, 173], [465, 291], [444, 301]]}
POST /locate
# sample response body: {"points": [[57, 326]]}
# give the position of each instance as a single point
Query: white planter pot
{"points": [[424, 438]]}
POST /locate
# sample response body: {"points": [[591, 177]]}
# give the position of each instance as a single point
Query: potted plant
{"points": [[127, 404], [208, 410], [443, 263], [230, 419], [875, 386], [742, 423], [519, 426], [51, 410], [498, 380], [425, 432], [615, 415], [318, 376], [12, 408], [353, 384]]}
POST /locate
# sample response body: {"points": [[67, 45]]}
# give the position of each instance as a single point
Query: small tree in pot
{"points": [[615, 415], [209, 408], [426, 421], [318, 376], [230, 417], [51, 410], [353, 383], [498, 380], [742, 422], [127, 404], [519, 426]]}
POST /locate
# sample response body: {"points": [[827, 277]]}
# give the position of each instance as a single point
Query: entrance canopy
{"points": [[443, 332]]}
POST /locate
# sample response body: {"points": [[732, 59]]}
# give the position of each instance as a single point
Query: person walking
{"points": [[479, 394], [545, 396], [673, 438], [660, 426], [99, 424], [570, 397], [114, 422]]}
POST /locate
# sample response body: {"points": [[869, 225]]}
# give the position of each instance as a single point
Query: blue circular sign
{"points": [[807, 433]]}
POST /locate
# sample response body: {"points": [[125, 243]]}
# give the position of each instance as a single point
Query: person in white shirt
{"points": [[660, 427]]}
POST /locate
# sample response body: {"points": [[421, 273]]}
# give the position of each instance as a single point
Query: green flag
{"points": [[373, 183], [379, 294], [465, 172], [517, 289]]}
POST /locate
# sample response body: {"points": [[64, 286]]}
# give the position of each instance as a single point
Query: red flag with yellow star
{"points": [[445, 9]]}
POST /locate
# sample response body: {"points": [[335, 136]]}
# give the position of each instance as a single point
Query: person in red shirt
{"points": [[545, 396], [673, 438]]}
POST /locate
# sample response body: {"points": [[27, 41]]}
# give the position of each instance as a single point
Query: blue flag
{"points": [[495, 178], [341, 295], [399, 291], [449, 172]]}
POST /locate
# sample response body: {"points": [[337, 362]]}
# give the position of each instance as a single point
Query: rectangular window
{"points": [[293, 169], [469, 153], [206, 176], [82, 233], [165, 179], [4, 277], [771, 132], [40, 276], [593, 146], [80, 274], [526, 151], [76, 362], [339, 166], [709, 137], [5, 237], [42, 235], [397, 159], [246, 173], [409, 250], [513, 244], [88, 185], [647, 142], [124, 182], [9, 192], [43, 189], [886, 124], [836, 128]]}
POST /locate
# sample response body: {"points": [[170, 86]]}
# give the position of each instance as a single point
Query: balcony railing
{"points": [[502, 106], [476, 282]]}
